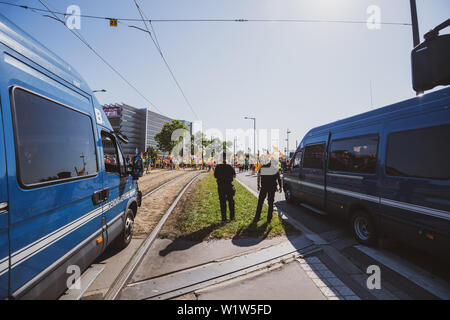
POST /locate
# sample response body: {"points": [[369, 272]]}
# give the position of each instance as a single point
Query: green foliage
{"points": [[151, 152], [164, 137], [202, 217], [199, 138]]}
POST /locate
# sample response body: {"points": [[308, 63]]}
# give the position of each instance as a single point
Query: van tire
{"points": [[288, 194], [363, 228], [124, 238]]}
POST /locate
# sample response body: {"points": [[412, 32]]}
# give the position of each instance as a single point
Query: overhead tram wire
{"points": [[165, 61], [205, 20], [81, 38], [153, 29]]}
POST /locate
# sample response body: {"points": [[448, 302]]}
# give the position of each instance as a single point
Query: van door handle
{"points": [[97, 197], [100, 196]]}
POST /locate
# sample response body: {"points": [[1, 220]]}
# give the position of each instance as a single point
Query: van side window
{"points": [[422, 153], [313, 157], [53, 142], [110, 153], [357, 154], [297, 159]]}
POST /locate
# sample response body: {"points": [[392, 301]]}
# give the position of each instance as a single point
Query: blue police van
{"points": [[66, 192], [387, 171]]}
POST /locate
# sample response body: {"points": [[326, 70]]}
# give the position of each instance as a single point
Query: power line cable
{"points": [[81, 38], [151, 26], [206, 20], [165, 61]]}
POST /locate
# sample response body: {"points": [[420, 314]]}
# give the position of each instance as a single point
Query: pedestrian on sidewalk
{"points": [[224, 174], [147, 164], [267, 179]]}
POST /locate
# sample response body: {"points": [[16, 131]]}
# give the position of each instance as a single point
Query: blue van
{"points": [[387, 171], [65, 190]]}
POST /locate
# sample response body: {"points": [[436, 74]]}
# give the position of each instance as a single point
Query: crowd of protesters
{"points": [[168, 163]]}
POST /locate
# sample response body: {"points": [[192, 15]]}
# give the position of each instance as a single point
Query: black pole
{"points": [[415, 29], [414, 22], [254, 137], [234, 151]]}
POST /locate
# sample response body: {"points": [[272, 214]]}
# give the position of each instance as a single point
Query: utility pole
{"points": [[414, 22], [415, 29], [234, 151], [287, 140]]}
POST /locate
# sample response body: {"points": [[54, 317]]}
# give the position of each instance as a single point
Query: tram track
{"points": [[125, 275], [195, 277]]}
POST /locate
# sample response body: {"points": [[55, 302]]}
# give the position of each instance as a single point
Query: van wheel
{"points": [[363, 228], [288, 194], [124, 239]]}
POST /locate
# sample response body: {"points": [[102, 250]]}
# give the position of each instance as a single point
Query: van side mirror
{"points": [[429, 60], [129, 169], [136, 169]]}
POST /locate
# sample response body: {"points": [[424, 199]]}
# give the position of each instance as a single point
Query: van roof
{"points": [[20, 41], [405, 106]]}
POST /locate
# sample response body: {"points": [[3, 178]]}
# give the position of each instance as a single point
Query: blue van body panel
{"points": [[4, 243], [426, 103], [46, 227], [405, 208], [35, 219], [22, 43]]}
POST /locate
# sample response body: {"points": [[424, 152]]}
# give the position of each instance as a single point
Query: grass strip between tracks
{"points": [[198, 217]]}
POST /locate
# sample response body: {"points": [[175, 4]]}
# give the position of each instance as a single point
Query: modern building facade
{"points": [[154, 124], [131, 122], [140, 125], [187, 124]]}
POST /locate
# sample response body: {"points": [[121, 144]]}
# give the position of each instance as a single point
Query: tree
{"points": [[226, 145], [199, 139], [164, 137], [152, 152]]}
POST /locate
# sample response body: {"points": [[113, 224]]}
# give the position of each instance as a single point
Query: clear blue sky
{"points": [[288, 75]]}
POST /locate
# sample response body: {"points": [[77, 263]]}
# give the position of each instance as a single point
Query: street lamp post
{"points": [[102, 90], [234, 151], [254, 133], [287, 140]]}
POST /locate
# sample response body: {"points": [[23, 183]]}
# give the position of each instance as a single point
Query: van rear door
{"points": [[4, 242], [52, 176]]}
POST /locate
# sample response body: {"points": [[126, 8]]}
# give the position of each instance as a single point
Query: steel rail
{"points": [[135, 261]]}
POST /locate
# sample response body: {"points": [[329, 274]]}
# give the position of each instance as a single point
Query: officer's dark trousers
{"points": [[226, 193], [270, 193]]}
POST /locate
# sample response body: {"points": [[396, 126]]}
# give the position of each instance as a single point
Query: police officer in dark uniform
{"points": [[138, 166], [268, 178], [224, 174]]}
